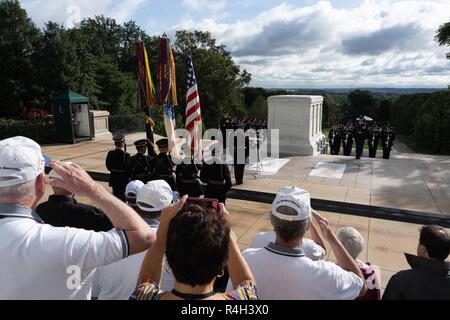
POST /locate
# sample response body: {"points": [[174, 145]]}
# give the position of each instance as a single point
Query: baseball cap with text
{"points": [[295, 198], [21, 161]]}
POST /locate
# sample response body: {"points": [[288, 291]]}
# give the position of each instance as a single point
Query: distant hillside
{"points": [[375, 91]]}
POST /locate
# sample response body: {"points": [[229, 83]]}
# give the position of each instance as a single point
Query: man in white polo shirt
{"points": [[38, 261], [314, 248], [284, 272]]}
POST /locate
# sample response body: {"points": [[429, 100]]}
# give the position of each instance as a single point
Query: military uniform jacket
{"points": [[188, 179], [360, 134], [117, 163], [63, 211], [142, 168], [216, 175], [334, 136], [388, 138], [373, 137], [164, 166], [347, 137]]}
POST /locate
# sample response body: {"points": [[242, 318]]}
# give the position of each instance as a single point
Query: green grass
{"points": [[409, 141]]}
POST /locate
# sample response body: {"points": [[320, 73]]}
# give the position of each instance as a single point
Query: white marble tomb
{"points": [[299, 121]]}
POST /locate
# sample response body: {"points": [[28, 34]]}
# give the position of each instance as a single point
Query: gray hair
{"points": [[18, 193], [352, 241], [289, 230]]}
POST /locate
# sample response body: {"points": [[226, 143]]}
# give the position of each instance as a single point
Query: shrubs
{"points": [[126, 123], [42, 132]]}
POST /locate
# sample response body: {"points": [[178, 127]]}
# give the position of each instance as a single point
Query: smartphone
{"points": [[47, 160], [176, 197], [204, 203]]}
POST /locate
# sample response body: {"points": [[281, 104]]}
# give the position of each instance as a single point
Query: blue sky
{"points": [[295, 43]]}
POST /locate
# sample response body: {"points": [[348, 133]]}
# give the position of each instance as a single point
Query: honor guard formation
{"points": [[357, 133]]}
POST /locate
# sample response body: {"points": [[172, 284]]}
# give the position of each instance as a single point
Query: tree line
{"points": [[97, 59]]}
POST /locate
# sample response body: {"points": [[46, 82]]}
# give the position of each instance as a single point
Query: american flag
{"points": [[193, 109]]}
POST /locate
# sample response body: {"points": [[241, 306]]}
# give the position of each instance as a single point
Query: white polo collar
{"points": [[285, 251], [16, 211]]}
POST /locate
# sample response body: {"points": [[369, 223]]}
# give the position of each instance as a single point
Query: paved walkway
{"points": [[407, 181]]}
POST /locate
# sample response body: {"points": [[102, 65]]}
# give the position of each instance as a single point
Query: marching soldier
{"points": [[117, 163], [373, 139], [164, 166], [241, 154], [335, 140], [141, 167], [216, 176], [188, 178], [347, 140], [388, 138], [360, 138]]}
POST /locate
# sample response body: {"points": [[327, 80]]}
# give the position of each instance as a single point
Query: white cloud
{"points": [[124, 10], [205, 5], [68, 12], [377, 43]]}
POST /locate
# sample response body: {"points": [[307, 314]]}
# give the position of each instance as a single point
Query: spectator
{"points": [[314, 248], [353, 242], [429, 278], [282, 269], [38, 261], [62, 210], [198, 244], [118, 280], [131, 192]]}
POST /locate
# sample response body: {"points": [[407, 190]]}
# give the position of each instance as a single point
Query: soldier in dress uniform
{"points": [[63, 210], [117, 163], [188, 177], [347, 139], [360, 138], [335, 140], [373, 138], [216, 175], [388, 138], [164, 166], [141, 167], [241, 153]]}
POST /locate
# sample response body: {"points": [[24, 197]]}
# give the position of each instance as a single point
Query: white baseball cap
{"points": [[133, 188], [21, 161], [155, 196], [295, 198]]}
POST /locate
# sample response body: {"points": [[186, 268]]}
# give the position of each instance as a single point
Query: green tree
{"points": [[256, 102], [18, 38], [384, 110], [330, 110], [432, 127], [118, 92], [443, 36], [360, 102]]}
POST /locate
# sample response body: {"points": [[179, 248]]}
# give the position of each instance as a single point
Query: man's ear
{"points": [[422, 251], [40, 183]]}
